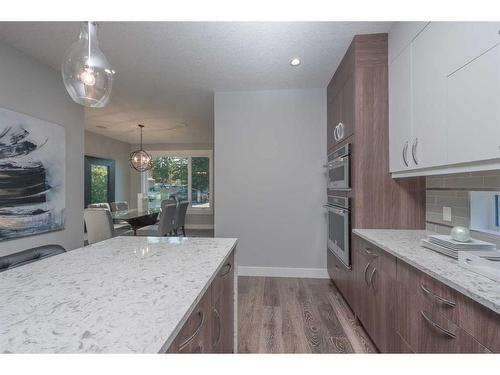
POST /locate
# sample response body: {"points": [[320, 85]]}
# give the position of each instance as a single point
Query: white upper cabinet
{"points": [[473, 110], [452, 98], [400, 111], [428, 75], [401, 35], [465, 41]]}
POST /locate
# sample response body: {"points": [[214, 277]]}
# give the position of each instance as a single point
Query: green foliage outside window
{"points": [[99, 184]]}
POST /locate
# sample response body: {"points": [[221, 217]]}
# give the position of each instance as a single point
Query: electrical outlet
{"points": [[447, 213]]}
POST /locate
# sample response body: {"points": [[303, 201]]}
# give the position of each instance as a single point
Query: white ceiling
{"points": [[166, 72]]}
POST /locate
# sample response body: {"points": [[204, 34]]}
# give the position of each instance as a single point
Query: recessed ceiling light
{"points": [[295, 61]]}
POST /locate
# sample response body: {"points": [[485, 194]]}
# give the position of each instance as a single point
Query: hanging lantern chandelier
{"points": [[86, 72], [140, 160]]}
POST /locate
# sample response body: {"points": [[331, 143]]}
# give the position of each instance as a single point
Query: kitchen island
{"points": [[123, 295]]}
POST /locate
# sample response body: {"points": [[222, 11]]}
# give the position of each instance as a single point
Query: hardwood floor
{"points": [[290, 315]]}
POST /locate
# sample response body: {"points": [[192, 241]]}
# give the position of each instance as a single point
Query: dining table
{"points": [[136, 218]]}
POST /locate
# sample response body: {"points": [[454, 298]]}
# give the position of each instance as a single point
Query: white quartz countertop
{"points": [[405, 245], [123, 295]]}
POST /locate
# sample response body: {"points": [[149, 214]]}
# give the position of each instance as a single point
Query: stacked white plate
{"points": [[447, 246]]}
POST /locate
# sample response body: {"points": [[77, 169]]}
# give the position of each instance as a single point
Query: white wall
{"points": [[269, 181], [107, 148], [30, 87]]}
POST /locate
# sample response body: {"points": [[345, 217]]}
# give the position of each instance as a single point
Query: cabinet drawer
{"points": [[195, 334], [446, 307], [427, 331]]}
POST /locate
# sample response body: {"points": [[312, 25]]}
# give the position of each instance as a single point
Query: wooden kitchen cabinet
{"points": [[195, 335], [404, 310], [433, 318], [223, 308], [210, 327], [376, 294], [334, 117], [343, 277]]}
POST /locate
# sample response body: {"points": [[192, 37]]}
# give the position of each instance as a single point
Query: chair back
{"points": [[119, 206], [100, 205], [180, 215], [28, 256], [99, 224], [166, 224]]}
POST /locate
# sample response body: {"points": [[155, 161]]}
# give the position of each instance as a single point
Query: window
{"points": [[181, 175], [485, 211], [99, 180]]}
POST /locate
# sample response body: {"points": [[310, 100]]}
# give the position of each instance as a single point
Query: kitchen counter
{"points": [[405, 245], [123, 295]]}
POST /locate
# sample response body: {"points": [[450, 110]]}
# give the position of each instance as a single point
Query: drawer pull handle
{"points": [[437, 326], [370, 279], [186, 342], [436, 297], [228, 267], [364, 274], [219, 327], [371, 253]]}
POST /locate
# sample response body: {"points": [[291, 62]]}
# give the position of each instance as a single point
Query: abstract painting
{"points": [[32, 175]]}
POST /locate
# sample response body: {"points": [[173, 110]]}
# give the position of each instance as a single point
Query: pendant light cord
{"points": [[88, 61]]}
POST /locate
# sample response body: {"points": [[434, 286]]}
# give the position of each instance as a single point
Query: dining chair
{"points": [[28, 256], [165, 225], [121, 226], [119, 206], [180, 217], [99, 224]]}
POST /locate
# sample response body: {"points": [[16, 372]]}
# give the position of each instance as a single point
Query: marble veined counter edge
{"points": [[123, 295], [405, 245], [179, 326]]}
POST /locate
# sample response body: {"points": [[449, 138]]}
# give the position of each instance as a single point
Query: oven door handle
{"points": [[336, 210], [336, 163]]}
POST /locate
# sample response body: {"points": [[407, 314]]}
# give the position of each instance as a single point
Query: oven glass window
{"points": [[336, 229], [337, 174]]}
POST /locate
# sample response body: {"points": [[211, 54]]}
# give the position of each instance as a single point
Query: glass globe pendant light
{"points": [[86, 72], [140, 160]]}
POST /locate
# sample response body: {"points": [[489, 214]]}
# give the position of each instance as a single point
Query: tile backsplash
{"points": [[453, 191]]}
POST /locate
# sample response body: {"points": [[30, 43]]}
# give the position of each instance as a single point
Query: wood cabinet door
{"points": [[343, 278], [223, 309], [376, 294], [195, 335], [334, 117], [381, 278], [400, 119], [348, 104], [363, 295]]}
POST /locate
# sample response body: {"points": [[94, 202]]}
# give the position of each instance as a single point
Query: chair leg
{"points": [[183, 231]]}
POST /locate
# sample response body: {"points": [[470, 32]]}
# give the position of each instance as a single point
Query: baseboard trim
{"points": [[200, 226], [309, 273]]}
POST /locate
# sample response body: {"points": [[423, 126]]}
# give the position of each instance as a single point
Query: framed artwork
{"points": [[32, 175]]}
